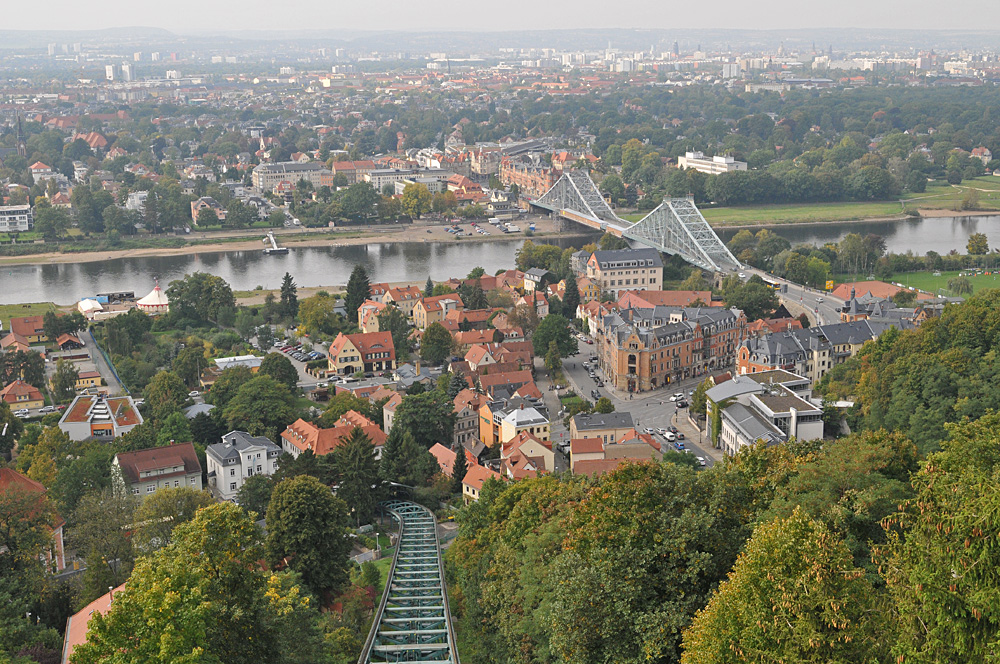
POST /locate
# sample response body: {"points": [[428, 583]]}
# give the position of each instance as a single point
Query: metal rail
{"points": [[413, 621]]}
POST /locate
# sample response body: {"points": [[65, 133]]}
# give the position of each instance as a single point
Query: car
{"points": [[672, 429], [599, 382], [369, 374], [662, 431], [682, 404], [586, 365], [322, 385], [47, 409], [590, 341], [670, 437], [595, 394], [741, 275], [678, 445], [194, 393], [819, 299], [650, 430], [701, 461], [62, 408], [22, 413], [680, 435], [138, 402]]}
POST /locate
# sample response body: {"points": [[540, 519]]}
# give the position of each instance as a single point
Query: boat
{"points": [[274, 249]]}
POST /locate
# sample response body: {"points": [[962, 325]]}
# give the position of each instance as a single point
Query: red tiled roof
{"points": [[19, 388], [445, 458], [477, 475], [586, 446], [307, 436], [27, 326], [134, 463], [77, 625]]}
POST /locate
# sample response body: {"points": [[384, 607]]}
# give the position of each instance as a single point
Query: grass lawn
{"points": [[383, 566], [800, 212], [574, 400], [17, 310]]}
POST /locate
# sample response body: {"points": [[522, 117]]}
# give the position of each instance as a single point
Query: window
{"points": [[232, 472], [193, 480], [151, 488], [258, 469], [135, 491], [177, 483], [232, 486]]}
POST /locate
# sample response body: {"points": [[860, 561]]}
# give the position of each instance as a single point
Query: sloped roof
{"points": [[134, 463]]}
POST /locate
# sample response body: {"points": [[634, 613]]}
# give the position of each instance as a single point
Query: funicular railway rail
{"points": [[413, 621]]}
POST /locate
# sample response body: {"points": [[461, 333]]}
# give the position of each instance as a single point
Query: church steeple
{"points": [[22, 148]]}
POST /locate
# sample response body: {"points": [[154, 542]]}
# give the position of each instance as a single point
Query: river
{"points": [[65, 283], [940, 234]]}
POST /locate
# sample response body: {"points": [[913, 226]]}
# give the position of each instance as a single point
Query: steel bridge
{"points": [[675, 227], [413, 621]]}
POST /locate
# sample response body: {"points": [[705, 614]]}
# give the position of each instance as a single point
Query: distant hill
{"points": [[16, 39]]}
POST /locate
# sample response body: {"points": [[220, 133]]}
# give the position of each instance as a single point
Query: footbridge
{"points": [[675, 227], [413, 621]]}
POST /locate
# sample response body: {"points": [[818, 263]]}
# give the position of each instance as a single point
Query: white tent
{"points": [[154, 303]]}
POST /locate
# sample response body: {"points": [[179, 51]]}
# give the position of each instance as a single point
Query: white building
{"points": [[713, 166], [236, 458], [16, 218]]}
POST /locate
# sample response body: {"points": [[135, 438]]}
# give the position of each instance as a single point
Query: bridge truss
{"points": [[413, 623], [675, 227]]}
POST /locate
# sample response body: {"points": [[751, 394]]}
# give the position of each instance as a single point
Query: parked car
{"points": [[678, 445], [670, 437], [650, 430], [47, 409], [22, 413], [194, 393], [599, 382], [701, 461], [595, 394], [672, 429]]}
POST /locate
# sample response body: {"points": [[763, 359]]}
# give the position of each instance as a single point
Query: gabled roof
{"points": [[476, 475], [307, 436], [445, 458], [133, 464], [586, 446], [77, 625], [20, 389], [27, 326]]}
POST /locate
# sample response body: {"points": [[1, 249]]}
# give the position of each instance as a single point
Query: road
{"points": [[818, 304], [114, 387], [649, 409]]}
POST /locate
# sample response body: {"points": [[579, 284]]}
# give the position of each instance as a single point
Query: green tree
{"points": [[317, 315], [458, 470], [174, 428], [160, 513], [754, 297], [255, 494], [571, 297], [307, 526], [553, 361], [554, 328], [604, 405], [280, 368], [793, 596], [101, 537], [11, 428], [64, 381], [289, 297], [207, 217], [52, 223], [429, 417], [699, 400], [405, 461], [203, 598], [960, 286], [978, 244], [429, 288], [393, 321], [358, 290], [357, 475], [436, 344], [189, 364], [227, 384], [200, 296], [261, 407], [165, 394]]}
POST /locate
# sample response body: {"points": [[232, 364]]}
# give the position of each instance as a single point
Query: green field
{"points": [[17, 310]]}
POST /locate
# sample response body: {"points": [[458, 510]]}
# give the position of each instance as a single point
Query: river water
{"points": [[66, 283], [413, 261]]}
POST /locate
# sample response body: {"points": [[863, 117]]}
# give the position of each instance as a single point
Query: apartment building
{"points": [[97, 416], [430, 310], [367, 351], [16, 219], [144, 472], [711, 165], [625, 269], [266, 176]]}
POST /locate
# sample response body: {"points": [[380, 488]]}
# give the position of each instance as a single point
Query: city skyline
{"points": [[189, 17]]}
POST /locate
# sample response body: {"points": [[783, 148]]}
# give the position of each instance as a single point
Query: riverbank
{"points": [[417, 232]]}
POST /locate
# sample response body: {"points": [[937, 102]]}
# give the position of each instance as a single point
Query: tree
{"points": [[207, 217], [754, 297], [203, 598], [11, 428], [160, 513], [101, 537], [165, 394], [358, 290], [289, 297], [960, 286], [970, 200], [456, 383], [26, 365], [52, 223], [405, 461], [255, 494], [229, 381], [571, 297], [699, 399], [458, 469], [261, 407], [429, 417], [604, 405], [317, 315], [307, 526], [280, 368], [25, 519], [416, 200], [793, 596], [357, 474], [554, 328], [436, 344], [189, 364], [393, 321], [553, 361], [200, 296], [429, 288], [978, 244], [174, 428], [64, 381]]}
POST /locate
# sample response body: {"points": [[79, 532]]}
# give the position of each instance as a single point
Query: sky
{"points": [[199, 16]]}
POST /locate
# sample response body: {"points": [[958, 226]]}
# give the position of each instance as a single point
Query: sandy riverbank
{"points": [[417, 232]]}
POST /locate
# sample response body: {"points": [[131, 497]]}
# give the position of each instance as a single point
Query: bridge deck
{"points": [[413, 622]]}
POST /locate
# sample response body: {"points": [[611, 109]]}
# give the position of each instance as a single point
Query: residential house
{"points": [[209, 203], [85, 379], [31, 328], [527, 420], [525, 455], [467, 405], [78, 624], [389, 411], [368, 315], [536, 278], [404, 299], [739, 389], [367, 352], [649, 299], [301, 435], [19, 394], [97, 416], [430, 310], [238, 457], [472, 484], [143, 472], [14, 483], [536, 299]]}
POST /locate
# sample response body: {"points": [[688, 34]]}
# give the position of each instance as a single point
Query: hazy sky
{"points": [[186, 16]]}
